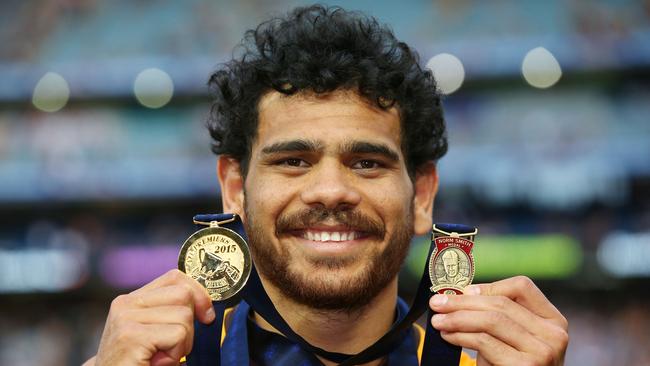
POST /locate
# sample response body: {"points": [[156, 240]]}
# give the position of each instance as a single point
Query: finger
{"points": [[491, 349], [162, 359], [180, 315], [173, 277], [168, 338], [522, 290], [199, 295], [496, 324], [539, 327], [162, 296]]}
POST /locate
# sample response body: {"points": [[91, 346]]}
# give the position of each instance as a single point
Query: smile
{"points": [[334, 236]]}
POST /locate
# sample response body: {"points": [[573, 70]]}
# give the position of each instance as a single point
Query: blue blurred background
{"points": [[104, 156]]}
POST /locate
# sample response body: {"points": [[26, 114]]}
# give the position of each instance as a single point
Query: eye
{"points": [[366, 164], [293, 162]]}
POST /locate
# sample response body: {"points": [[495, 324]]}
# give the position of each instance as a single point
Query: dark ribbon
{"points": [[206, 350]]}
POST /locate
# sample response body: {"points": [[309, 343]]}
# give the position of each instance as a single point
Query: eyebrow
{"points": [[351, 147], [364, 147], [293, 146]]}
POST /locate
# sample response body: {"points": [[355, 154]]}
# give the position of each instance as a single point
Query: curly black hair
{"points": [[321, 49]]}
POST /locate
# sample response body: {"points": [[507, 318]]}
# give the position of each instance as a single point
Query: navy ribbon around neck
{"points": [[206, 350]]}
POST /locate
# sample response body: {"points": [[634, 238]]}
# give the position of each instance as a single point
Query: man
{"points": [[451, 265], [328, 131]]}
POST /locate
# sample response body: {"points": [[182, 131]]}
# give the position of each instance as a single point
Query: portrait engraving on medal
{"points": [[452, 267], [218, 259]]}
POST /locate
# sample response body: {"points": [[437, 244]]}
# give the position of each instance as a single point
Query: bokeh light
{"points": [[51, 93], [448, 71], [153, 88], [540, 68], [625, 254], [41, 269]]}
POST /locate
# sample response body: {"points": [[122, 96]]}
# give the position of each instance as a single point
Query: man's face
{"points": [[451, 267], [329, 205]]}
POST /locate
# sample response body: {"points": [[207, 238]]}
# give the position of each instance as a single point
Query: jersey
{"points": [[243, 342]]}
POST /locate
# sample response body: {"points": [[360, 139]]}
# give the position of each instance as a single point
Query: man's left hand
{"points": [[509, 322]]}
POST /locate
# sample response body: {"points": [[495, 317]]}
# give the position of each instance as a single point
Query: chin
{"points": [[335, 277], [331, 287]]}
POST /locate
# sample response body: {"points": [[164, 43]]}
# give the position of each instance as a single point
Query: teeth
{"points": [[329, 236]]}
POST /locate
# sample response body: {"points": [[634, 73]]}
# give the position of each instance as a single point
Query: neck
{"points": [[336, 331]]}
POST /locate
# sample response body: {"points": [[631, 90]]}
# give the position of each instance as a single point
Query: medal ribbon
{"points": [[207, 338]]}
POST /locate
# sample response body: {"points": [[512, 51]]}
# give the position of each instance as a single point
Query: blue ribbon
{"points": [[206, 347], [207, 338]]}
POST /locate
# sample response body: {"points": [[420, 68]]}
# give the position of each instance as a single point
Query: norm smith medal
{"points": [[219, 259], [451, 266]]}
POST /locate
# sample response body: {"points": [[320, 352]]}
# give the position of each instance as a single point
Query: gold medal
{"points": [[451, 265], [218, 258]]}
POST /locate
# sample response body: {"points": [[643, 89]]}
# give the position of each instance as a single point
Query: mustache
{"points": [[353, 220]]}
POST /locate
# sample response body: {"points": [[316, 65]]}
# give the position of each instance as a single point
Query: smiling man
{"points": [[322, 168], [328, 132]]}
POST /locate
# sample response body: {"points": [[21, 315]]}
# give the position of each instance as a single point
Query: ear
{"points": [[426, 188], [232, 185]]}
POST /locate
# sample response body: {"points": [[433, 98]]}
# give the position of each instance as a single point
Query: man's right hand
{"points": [[154, 325]]}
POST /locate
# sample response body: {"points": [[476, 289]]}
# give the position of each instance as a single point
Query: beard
{"points": [[347, 292]]}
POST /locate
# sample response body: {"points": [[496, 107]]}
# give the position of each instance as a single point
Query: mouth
{"points": [[331, 236], [321, 234], [330, 241]]}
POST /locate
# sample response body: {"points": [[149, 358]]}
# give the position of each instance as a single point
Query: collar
{"points": [[247, 344]]}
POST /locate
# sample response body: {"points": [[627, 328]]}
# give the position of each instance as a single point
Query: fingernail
{"points": [[439, 300], [438, 319], [473, 290], [210, 314]]}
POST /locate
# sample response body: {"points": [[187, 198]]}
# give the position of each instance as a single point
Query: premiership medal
{"points": [[218, 258], [451, 265]]}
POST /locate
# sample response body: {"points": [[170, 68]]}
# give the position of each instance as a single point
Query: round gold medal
{"points": [[219, 259]]}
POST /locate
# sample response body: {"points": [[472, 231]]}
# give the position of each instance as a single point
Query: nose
{"points": [[330, 185]]}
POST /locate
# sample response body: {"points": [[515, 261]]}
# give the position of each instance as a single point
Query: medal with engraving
{"points": [[451, 265], [218, 258]]}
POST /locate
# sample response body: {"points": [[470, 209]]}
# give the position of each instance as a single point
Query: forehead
{"points": [[449, 254], [340, 114]]}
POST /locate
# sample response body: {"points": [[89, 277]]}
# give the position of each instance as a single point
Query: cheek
{"points": [[395, 201], [266, 199]]}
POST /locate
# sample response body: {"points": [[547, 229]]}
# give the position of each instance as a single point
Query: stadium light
{"points": [[153, 88], [540, 68], [448, 71], [51, 93]]}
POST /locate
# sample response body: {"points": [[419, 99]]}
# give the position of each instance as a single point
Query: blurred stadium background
{"points": [[104, 157]]}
